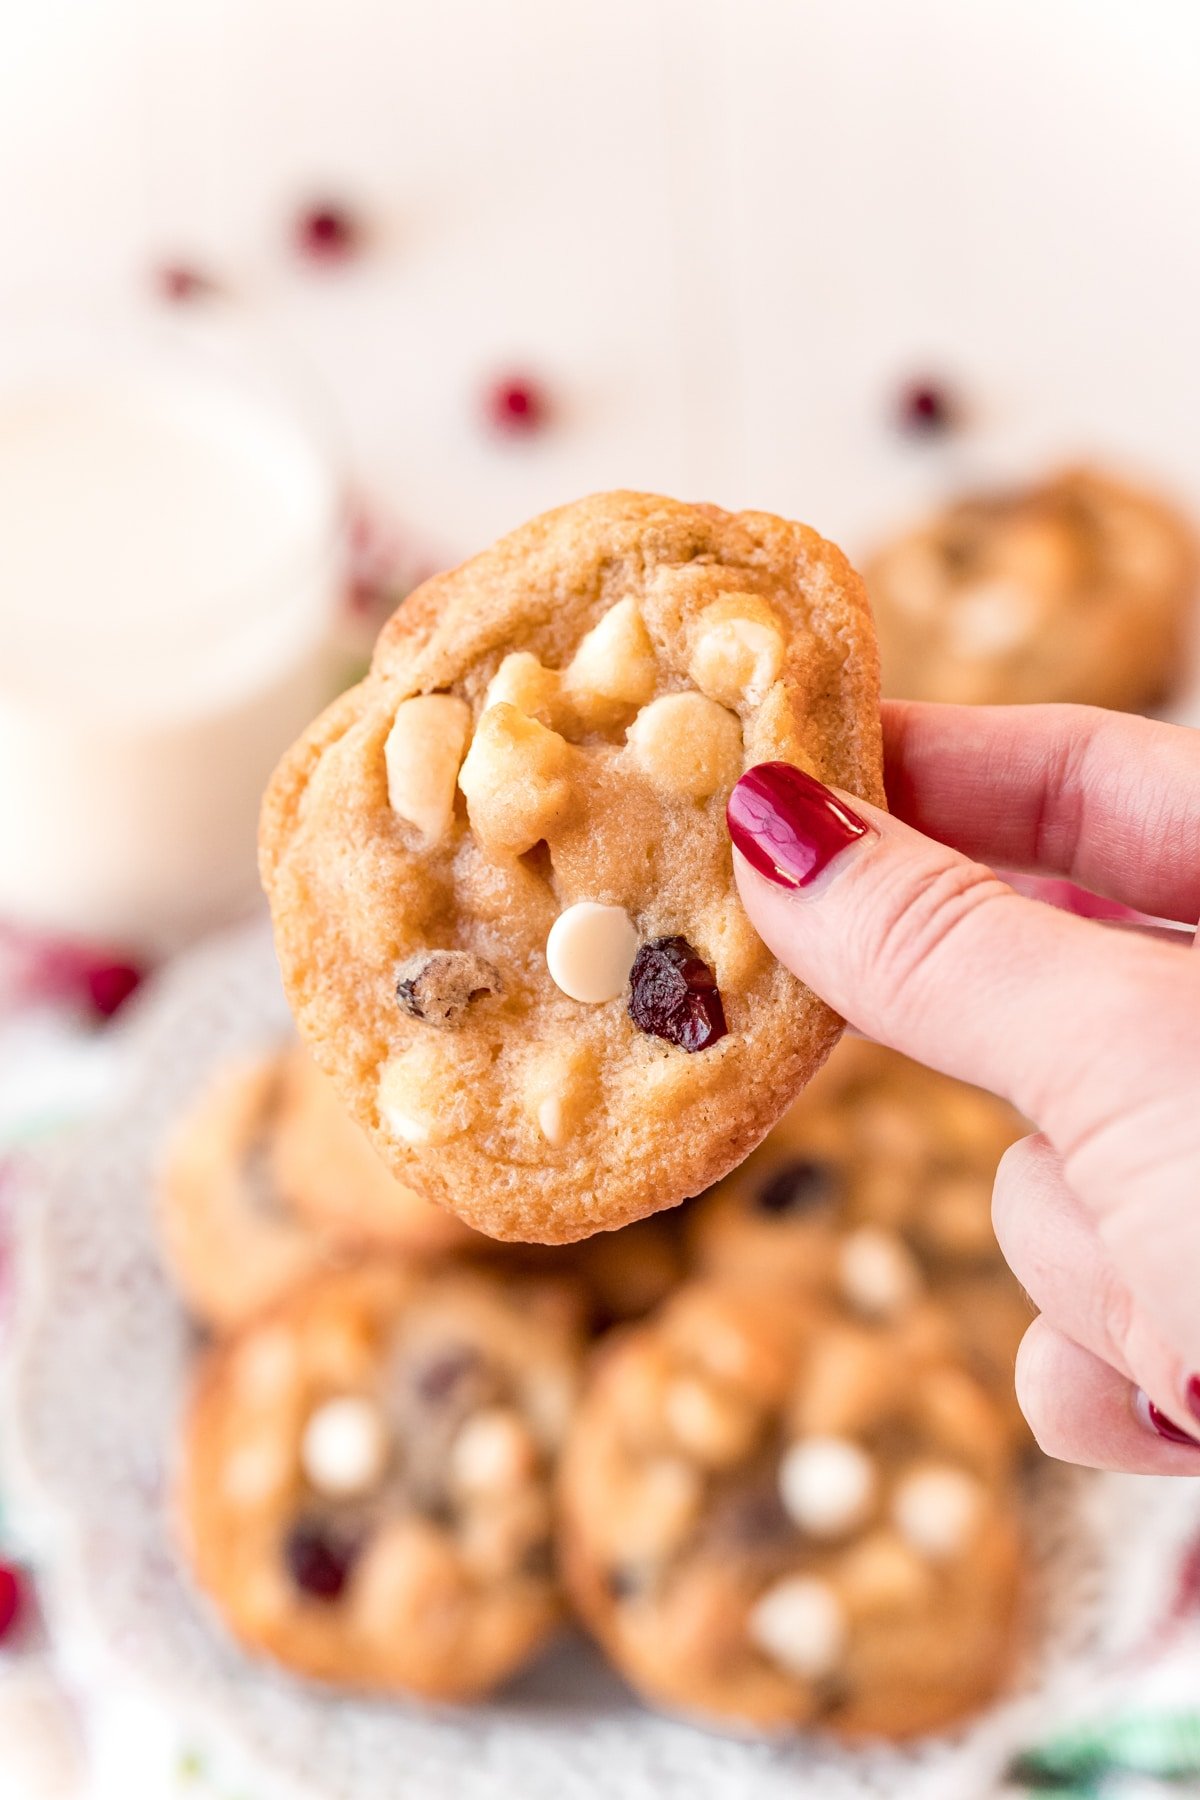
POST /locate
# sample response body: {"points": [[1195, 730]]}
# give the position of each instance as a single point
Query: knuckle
{"points": [[918, 924]]}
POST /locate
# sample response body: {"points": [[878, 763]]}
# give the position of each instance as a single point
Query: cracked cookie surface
{"points": [[771, 1515], [366, 1480], [520, 809], [1076, 589]]}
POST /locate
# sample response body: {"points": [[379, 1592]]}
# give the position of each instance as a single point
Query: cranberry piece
{"points": [[443, 1375], [516, 407], [327, 233], [319, 1566], [798, 1187], [12, 1599], [109, 986], [926, 408], [180, 281], [673, 994]]}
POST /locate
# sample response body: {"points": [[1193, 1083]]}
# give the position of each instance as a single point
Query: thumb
{"points": [[937, 956]]}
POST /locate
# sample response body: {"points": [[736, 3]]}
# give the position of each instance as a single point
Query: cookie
{"points": [[499, 871], [365, 1490], [1075, 589], [267, 1179], [877, 1187], [777, 1517]]}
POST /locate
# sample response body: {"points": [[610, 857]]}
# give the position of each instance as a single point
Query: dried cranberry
{"points": [[317, 1563], [434, 1381], [12, 1599], [673, 994], [180, 281], [516, 406], [109, 986], [926, 408], [327, 233], [797, 1187]]}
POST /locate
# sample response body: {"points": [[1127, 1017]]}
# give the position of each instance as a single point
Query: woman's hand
{"points": [[1093, 1033]]}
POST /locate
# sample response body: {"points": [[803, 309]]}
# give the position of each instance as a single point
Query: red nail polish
{"points": [[1193, 1395], [1167, 1428], [788, 825]]}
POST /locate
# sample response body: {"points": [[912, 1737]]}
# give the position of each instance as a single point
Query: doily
{"points": [[102, 1359]]}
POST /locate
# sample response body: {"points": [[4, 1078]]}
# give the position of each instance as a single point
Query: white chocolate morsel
{"points": [[558, 1089], [422, 755], [424, 1097], [523, 681], [687, 744], [493, 1452], [990, 619], [736, 659], [515, 779], [614, 666], [344, 1449], [801, 1625], [936, 1510], [590, 951], [879, 1274], [828, 1485]]}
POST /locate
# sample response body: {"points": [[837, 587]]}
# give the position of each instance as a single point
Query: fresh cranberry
{"points": [[516, 407], [673, 994], [12, 1599], [327, 233], [180, 281], [109, 986], [318, 1564], [926, 409], [798, 1187]]}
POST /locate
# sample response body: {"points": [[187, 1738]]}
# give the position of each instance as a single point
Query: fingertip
{"points": [[1082, 1411]]}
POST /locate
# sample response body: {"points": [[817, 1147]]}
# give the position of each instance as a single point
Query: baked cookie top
{"points": [[1074, 589], [365, 1487], [771, 1515], [499, 871]]}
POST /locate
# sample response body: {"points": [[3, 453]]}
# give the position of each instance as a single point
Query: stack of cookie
{"points": [[765, 1442]]}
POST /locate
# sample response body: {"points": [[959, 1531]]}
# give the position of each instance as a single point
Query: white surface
{"points": [[105, 1352]]}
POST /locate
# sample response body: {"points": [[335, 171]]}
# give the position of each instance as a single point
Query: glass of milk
{"points": [[170, 567]]}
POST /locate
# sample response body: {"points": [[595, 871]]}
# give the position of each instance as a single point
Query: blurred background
{"points": [[300, 302]]}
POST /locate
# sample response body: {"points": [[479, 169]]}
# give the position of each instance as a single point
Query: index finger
{"points": [[1104, 799]]}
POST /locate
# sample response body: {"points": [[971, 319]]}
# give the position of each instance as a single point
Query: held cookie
{"points": [[500, 875], [264, 1180], [365, 1491], [877, 1187], [1076, 589], [774, 1517]]}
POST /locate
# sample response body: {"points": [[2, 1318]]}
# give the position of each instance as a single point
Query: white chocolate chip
{"points": [[713, 1427], [687, 744], [424, 1097], [523, 681], [879, 1274], [559, 1086], [827, 1485], [613, 667], [493, 1452], [990, 619], [590, 951], [423, 751], [344, 1449], [936, 1510], [736, 659], [801, 1625], [514, 778]]}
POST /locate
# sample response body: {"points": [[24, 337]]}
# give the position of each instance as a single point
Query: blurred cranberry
{"points": [[180, 281], [926, 408], [327, 233], [109, 986], [12, 1599], [516, 406]]}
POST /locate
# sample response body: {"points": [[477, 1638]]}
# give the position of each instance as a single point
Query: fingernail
{"points": [[1156, 1420], [1192, 1392], [788, 825]]}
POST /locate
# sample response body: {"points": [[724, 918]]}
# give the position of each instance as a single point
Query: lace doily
{"points": [[103, 1354]]}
